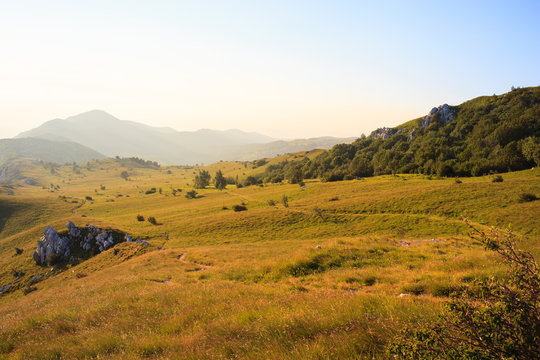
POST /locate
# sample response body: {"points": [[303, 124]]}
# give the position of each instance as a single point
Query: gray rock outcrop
{"points": [[382, 133], [53, 247], [446, 115]]}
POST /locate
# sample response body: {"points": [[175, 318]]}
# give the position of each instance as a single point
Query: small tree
{"points": [[124, 175], [219, 180], [285, 201], [202, 179]]}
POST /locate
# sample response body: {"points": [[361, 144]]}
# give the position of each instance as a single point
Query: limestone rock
{"points": [[383, 133], [445, 113]]}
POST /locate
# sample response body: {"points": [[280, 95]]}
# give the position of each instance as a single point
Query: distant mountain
{"points": [[274, 148], [46, 150], [110, 136]]}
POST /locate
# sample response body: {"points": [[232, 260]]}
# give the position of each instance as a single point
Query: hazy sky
{"points": [[283, 68]]}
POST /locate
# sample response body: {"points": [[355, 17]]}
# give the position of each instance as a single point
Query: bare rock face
{"points": [[52, 247], [445, 115], [383, 133]]}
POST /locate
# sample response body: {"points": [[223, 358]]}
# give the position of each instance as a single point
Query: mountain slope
{"points": [[111, 136], [46, 150], [483, 135]]}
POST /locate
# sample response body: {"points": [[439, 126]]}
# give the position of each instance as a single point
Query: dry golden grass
{"points": [[222, 284]]}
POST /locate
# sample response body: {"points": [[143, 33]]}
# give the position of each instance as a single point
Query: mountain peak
{"points": [[92, 115]]}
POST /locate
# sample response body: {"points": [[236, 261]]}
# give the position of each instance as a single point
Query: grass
{"points": [[249, 284]]}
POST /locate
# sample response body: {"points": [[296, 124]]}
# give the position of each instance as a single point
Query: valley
{"points": [[334, 271]]}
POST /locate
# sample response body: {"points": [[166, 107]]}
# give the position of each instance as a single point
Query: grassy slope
{"points": [[248, 284]]}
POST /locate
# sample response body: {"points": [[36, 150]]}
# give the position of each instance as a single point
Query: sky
{"points": [[288, 69]]}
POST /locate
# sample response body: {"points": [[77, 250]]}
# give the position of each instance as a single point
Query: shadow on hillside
{"points": [[7, 208]]}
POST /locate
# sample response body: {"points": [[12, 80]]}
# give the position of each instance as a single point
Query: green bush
{"points": [[497, 179], [415, 289], [239, 208], [527, 197], [491, 319], [152, 220]]}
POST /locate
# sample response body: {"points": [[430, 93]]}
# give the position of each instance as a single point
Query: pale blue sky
{"points": [[283, 68]]}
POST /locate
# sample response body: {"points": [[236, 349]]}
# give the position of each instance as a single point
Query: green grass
{"points": [[251, 284]]}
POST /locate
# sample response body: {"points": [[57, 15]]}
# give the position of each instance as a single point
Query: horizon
{"points": [[285, 70]]}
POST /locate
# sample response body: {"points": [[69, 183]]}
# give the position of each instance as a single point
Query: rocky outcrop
{"points": [[444, 113], [90, 240], [382, 133]]}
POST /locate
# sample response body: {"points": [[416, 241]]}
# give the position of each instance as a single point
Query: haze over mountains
{"points": [[111, 136]]}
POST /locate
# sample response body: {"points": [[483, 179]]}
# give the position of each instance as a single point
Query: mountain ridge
{"points": [[111, 136]]}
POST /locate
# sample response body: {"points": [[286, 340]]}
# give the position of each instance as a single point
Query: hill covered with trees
{"points": [[484, 135]]}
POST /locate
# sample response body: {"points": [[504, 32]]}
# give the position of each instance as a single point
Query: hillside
{"points": [[483, 135], [47, 150], [113, 137], [320, 278]]}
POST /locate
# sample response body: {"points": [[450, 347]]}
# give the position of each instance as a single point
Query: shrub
{"points": [[285, 201], [497, 179], [191, 194], [458, 181], [527, 197], [89, 198], [152, 220], [443, 290], [239, 208], [370, 281], [271, 203], [28, 289], [52, 259], [415, 289], [493, 319], [335, 198], [140, 218]]}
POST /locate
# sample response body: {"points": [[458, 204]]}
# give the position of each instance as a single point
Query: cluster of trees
{"points": [[487, 134], [203, 178], [132, 161]]}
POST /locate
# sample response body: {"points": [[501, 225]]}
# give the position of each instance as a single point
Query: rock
{"points": [[382, 133], [403, 295], [73, 231], [145, 243], [95, 240], [319, 247], [411, 135], [4, 288], [445, 115]]}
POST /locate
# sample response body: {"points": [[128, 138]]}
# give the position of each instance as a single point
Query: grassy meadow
{"points": [[336, 273]]}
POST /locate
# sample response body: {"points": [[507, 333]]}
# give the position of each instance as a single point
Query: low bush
{"points": [[415, 289], [152, 220], [239, 208], [191, 194], [140, 218], [497, 179], [527, 197], [370, 281]]}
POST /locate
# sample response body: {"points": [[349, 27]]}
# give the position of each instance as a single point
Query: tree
{"points": [[219, 180], [124, 175], [294, 174], [494, 319], [202, 180]]}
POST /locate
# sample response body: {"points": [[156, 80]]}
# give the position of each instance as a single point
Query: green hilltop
{"points": [[484, 135]]}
